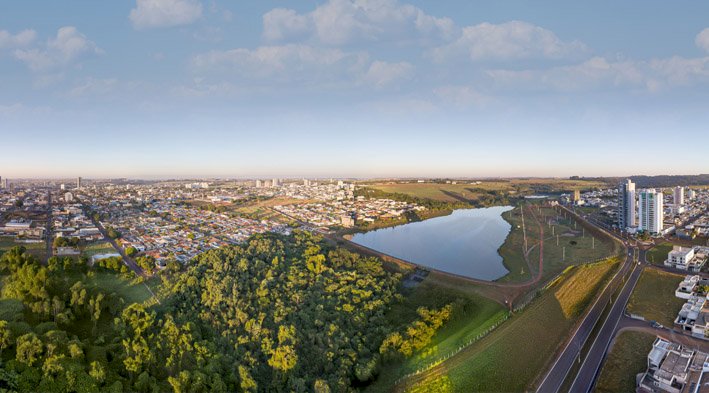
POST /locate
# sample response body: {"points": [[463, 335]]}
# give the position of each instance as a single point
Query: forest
{"points": [[277, 313]]}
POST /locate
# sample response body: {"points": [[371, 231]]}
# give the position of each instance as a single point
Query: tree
{"points": [[130, 251], [95, 307], [29, 349], [97, 371], [5, 336]]}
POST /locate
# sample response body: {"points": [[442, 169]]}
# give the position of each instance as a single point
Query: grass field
{"points": [[512, 249], [111, 282], [627, 358], [37, 249], [511, 357], [471, 192], [575, 246], [658, 254], [472, 314], [654, 296], [98, 248]]}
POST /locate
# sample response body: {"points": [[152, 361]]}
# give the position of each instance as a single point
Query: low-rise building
{"points": [[672, 368], [687, 258]]}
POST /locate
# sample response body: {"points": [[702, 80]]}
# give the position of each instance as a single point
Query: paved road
{"points": [[560, 369], [591, 365], [126, 259], [555, 377], [48, 231], [627, 323]]}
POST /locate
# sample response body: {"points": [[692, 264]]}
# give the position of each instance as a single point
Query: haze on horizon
{"points": [[340, 88]]}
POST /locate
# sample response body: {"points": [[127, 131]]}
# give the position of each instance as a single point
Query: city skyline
{"points": [[362, 89]]}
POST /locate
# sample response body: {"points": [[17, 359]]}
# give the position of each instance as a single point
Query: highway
{"points": [[591, 365], [556, 376]]}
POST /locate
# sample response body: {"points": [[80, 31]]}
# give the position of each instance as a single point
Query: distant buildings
{"points": [[68, 197], [78, 182], [626, 205], [651, 211], [4, 183], [274, 182], [258, 183], [678, 196], [577, 196]]}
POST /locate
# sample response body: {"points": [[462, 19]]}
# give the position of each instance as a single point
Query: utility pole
{"points": [[593, 242], [557, 240], [563, 253]]}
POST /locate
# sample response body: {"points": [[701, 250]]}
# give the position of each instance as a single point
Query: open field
{"points": [[511, 357], [566, 243], [98, 248], [472, 192], [575, 245], [37, 249], [472, 314], [654, 296], [658, 254], [627, 358], [512, 250], [109, 282]]}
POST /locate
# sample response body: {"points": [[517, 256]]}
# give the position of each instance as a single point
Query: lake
{"points": [[464, 242]]}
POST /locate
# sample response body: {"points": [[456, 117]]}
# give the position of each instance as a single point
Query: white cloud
{"points": [[21, 39], [165, 13], [702, 40], [599, 73], [508, 41], [381, 73], [286, 62], [339, 22], [62, 50]]}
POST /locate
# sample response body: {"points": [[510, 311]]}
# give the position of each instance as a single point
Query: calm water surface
{"points": [[464, 242]]}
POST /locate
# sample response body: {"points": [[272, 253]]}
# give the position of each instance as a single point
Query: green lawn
{"points": [[472, 314], [111, 282], [658, 254], [627, 358], [512, 249], [654, 296], [511, 357], [98, 248]]}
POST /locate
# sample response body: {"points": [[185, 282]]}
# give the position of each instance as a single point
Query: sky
{"points": [[364, 88]]}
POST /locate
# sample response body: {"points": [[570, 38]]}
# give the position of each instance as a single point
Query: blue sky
{"points": [[374, 88]]}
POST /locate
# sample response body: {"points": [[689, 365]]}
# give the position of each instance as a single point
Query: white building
{"points": [[686, 287], [691, 194], [626, 205], [68, 197], [651, 211], [687, 258]]}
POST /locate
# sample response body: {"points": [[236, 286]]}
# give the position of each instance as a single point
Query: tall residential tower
{"points": [[626, 205], [651, 211]]}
